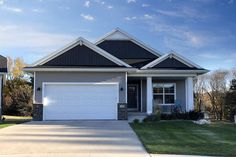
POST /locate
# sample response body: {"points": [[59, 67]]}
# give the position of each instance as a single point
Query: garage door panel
{"points": [[80, 101], [79, 110]]}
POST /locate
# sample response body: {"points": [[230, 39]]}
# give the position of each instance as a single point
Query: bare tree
{"points": [[216, 90], [199, 91]]}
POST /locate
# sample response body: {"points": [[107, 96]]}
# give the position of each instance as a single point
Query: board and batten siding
{"points": [[80, 77]]}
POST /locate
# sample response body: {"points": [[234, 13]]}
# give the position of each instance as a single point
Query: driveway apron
{"points": [[70, 138]]}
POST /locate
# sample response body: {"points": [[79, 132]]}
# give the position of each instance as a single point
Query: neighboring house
{"points": [[3, 72], [107, 79]]}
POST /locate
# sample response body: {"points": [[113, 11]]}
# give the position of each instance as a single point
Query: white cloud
{"points": [[231, 2], [31, 39], [131, 1], [37, 10], [147, 16], [12, 9], [87, 4], [100, 2], [64, 7], [194, 39], [109, 7], [130, 18], [209, 56], [183, 12], [145, 5], [2, 2], [179, 36], [87, 17]]}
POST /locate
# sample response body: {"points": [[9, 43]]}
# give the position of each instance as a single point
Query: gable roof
{"points": [[173, 60], [81, 41], [3, 64], [118, 34]]}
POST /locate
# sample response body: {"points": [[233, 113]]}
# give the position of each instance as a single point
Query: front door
{"points": [[133, 97]]}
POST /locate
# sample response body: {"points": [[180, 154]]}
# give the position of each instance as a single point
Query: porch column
{"points": [[1, 78], [189, 94], [149, 96]]}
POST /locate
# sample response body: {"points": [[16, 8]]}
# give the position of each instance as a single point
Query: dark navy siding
{"points": [[81, 56], [125, 49], [172, 63], [138, 63]]}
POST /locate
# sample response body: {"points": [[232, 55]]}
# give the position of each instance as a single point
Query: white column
{"points": [[149, 96], [1, 97], [189, 94]]}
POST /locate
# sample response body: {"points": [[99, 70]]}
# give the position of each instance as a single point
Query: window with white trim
{"points": [[164, 93]]}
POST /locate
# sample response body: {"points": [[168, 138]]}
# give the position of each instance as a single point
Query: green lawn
{"points": [[12, 120], [185, 137]]}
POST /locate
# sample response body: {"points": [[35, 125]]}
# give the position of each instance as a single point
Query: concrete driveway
{"points": [[70, 138]]}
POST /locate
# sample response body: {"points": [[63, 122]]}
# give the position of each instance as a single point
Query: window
{"points": [[164, 93]]}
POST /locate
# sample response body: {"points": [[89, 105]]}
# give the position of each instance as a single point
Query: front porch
{"points": [[146, 94]]}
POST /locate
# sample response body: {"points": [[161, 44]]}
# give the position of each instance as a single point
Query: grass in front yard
{"points": [[12, 120], [185, 137]]}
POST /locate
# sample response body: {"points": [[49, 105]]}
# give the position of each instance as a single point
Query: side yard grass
{"points": [[185, 137], [12, 120]]}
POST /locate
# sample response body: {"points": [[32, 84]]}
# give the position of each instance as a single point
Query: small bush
{"points": [[152, 118], [192, 115], [136, 121]]}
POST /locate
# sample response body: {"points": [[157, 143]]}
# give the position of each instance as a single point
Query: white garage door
{"points": [[71, 101]]}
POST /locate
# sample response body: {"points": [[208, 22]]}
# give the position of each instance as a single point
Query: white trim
{"points": [[163, 83], [189, 94], [141, 95], [170, 55], [81, 69], [167, 71], [82, 41], [34, 88], [160, 75], [131, 71], [83, 83], [155, 62], [149, 96], [126, 90], [131, 38], [65, 48]]}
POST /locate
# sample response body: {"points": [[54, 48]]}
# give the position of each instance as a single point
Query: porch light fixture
{"points": [[38, 89]]}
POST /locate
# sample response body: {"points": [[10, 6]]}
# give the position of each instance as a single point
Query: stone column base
{"points": [[37, 112], [122, 111]]}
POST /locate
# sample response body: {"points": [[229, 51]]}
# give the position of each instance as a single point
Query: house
{"points": [[116, 75], [3, 72]]}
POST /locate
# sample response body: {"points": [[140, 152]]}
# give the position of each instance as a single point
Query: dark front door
{"points": [[132, 96]]}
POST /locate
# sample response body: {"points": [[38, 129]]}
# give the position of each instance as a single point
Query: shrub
{"points": [[192, 115], [17, 97], [152, 118], [136, 121]]}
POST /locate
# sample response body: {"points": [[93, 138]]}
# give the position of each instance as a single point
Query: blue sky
{"points": [[201, 30]]}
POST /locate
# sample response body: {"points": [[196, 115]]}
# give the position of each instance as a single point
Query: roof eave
{"points": [[34, 69]]}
